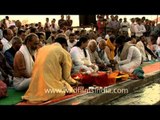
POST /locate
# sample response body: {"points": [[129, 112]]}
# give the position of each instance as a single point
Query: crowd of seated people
{"points": [[27, 52]]}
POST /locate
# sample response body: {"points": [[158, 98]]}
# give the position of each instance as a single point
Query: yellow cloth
{"points": [[112, 49], [50, 75]]}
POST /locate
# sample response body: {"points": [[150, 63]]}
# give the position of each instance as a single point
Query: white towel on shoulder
{"points": [[28, 59]]}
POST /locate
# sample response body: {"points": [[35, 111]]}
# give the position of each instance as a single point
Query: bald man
{"points": [[101, 53], [92, 46]]}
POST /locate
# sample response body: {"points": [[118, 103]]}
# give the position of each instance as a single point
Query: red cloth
{"points": [[102, 79], [151, 68], [51, 101]]}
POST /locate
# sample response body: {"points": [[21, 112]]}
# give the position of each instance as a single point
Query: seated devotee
{"points": [[131, 40], [6, 40], [33, 30], [42, 41], [151, 43], [83, 32], [24, 61], [152, 46], [158, 45], [81, 58], [6, 71], [101, 53], [14, 29], [71, 41], [52, 37], [52, 71], [128, 56], [77, 34], [21, 34], [109, 33], [92, 46], [110, 48], [10, 53], [68, 31], [92, 35], [141, 45]]}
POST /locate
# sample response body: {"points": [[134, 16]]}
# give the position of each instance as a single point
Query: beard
{"points": [[31, 51]]}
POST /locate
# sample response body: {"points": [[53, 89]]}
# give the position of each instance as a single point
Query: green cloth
{"points": [[139, 72], [13, 97]]}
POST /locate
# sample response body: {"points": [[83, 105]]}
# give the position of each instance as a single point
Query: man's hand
{"points": [[82, 70], [93, 66], [113, 62], [77, 83], [102, 65]]}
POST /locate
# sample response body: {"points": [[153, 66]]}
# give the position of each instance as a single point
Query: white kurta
{"points": [[70, 45], [79, 59], [133, 60], [158, 47], [139, 30], [6, 44], [141, 47]]}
